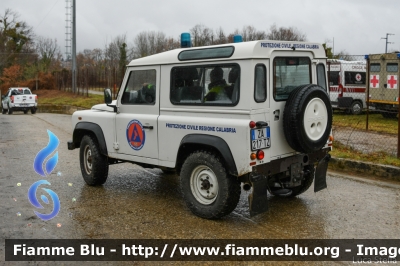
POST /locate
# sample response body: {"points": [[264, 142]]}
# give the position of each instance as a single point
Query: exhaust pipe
{"points": [[246, 186]]}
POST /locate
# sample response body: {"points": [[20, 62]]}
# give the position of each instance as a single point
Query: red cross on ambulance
{"points": [[374, 81], [392, 81]]}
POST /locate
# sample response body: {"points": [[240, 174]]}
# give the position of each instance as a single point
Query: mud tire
{"points": [[94, 165], [224, 192], [307, 118]]}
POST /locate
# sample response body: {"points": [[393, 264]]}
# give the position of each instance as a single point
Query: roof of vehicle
{"points": [[243, 50], [18, 88], [346, 62]]}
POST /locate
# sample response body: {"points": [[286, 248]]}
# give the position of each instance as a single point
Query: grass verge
{"points": [[376, 122], [67, 98], [342, 151]]}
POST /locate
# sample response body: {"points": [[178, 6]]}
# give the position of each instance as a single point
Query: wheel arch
{"points": [[84, 128], [216, 144]]}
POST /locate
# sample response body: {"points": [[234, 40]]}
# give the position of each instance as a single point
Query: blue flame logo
{"points": [[35, 202], [45, 168], [51, 163]]}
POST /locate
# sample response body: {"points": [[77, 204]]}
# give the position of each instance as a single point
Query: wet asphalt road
{"points": [[137, 203]]}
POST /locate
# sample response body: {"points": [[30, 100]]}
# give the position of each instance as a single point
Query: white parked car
{"points": [[252, 113], [19, 99]]}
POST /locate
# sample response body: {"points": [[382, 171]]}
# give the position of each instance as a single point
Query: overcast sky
{"points": [[356, 26]]}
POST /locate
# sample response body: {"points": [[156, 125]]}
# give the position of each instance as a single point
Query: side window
{"points": [[260, 83], [321, 77], [392, 67], [140, 87], [205, 85], [375, 67]]}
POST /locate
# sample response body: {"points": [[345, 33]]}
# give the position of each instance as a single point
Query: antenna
{"points": [[387, 40], [68, 34]]}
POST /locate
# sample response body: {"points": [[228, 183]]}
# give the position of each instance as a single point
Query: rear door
{"points": [[289, 72], [136, 120]]}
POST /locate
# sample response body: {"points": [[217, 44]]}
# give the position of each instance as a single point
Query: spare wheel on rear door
{"points": [[307, 118]]}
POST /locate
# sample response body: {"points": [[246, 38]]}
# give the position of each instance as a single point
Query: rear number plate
{"points": [[260, 138]]}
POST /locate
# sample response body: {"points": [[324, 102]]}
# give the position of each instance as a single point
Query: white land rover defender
{"points": [[255, 113]]}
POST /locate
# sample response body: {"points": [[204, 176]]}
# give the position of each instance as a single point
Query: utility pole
{"points": [[387, 40], [74, 46]]}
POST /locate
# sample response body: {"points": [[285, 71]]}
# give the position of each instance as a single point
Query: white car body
{"points": [[19, 99], [168, 124], [345, 91]]}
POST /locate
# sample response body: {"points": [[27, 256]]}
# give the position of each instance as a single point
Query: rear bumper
{"points": [[23, 107], [282, 165]]}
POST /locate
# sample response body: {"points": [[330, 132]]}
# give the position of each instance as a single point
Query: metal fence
{"points": [[89, 79], [364, 94]]}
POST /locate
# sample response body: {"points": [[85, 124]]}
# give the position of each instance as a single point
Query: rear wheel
{"points": [[25, 111], [208, 190], [33, 111], [94, 165], [10, 110], [356, 108]]}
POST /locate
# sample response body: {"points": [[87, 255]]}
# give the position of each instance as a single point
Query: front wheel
{"points": [[3, 111], [94, 165], [208, 190]]}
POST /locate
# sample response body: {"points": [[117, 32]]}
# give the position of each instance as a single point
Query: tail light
{"points": [[252, 124], [12, 99], [330, 141], [260, 155]]}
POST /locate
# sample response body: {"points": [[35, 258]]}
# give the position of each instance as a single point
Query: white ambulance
{"points": [[347, 85], [252, 113]]}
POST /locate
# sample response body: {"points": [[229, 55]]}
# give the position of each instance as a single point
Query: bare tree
{"points": [[250, 33], [286, 34], [48, 52], [202, 35], [221, 38], [151, 42]]}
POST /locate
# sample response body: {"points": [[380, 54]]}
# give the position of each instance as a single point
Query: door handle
{"points": [[148, 127]]}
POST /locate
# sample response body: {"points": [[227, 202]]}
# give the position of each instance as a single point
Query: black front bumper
{"points": [[71, 145]]}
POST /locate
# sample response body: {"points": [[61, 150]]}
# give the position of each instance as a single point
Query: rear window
{"points": [[205, 85], [392, 67], [289, 73], [375, 67], [208, 53]]}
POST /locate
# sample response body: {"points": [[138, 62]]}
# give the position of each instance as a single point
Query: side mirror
{"points": [[107, 96], [108, 99]]}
